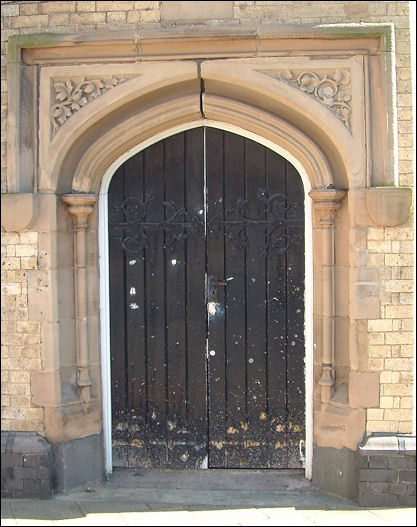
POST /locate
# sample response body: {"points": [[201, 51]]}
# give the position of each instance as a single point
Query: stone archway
{"points": [[136, 102]]}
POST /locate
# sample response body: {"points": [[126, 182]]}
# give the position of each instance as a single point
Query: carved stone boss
{"points": [[326, 203], [81, 206]]}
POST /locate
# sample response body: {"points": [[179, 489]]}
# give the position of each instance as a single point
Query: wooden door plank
{"points": [[236, 378], [196, 394], [256, 304], [155, 307], [277, 314], [117, 321], [295, 314], [175, 269], [135, 309], [216, 309]]}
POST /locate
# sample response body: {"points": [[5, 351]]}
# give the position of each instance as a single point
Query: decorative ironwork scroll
{"points": [[178, 223], [280, 212]]}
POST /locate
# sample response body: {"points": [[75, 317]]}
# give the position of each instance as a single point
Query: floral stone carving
{"points": [[72, 95], [333, 90]]}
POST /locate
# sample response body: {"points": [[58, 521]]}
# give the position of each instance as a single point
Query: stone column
{"points": [[81, 206], [326, 202]]}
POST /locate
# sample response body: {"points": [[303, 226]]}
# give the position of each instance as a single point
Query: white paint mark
{"points": [[132, 262], [133, 306], [212, 306], [132, 291], [174, 261]]}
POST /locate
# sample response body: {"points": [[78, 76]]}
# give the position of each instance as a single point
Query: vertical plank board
{"points": [[175, 268], [236, 382], [196, 410], [135, 308], [256, 303], [155, 307], [277, 315], [295, 315], [216, 293], [117, 320]]}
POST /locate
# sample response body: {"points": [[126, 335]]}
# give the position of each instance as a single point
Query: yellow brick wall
{"points": [[391, 337], [20, 339], [389, 250]]}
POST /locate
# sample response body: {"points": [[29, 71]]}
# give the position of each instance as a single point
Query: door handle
{"points": [[217, 283]]}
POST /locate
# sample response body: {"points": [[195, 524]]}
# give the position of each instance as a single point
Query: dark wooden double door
{"points": [[206, 237]]}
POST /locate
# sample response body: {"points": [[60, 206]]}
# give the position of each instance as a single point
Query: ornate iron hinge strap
{"points": [[135, 226], [280, 212]]}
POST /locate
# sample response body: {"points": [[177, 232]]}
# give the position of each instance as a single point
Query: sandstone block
{"points": [[363, 389]]}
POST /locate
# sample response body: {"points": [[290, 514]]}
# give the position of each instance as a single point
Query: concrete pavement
{"points": [[197, 497]]}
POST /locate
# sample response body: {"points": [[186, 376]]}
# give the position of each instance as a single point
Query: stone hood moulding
{"points": [[321, 79]]}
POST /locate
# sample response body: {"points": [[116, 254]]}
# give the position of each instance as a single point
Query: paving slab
{"points": [[52, 509], [215, 497], [343, 517]]}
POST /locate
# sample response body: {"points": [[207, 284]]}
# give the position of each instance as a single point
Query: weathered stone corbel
{"points": [[326, 203], [18, 211], [389, 206], [81, 206]]}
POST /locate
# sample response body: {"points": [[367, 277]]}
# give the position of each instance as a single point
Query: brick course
{"points": [[27, 467], [21, 340], [387, 474]]}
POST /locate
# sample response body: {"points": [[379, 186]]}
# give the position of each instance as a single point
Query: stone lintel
{"points": [[248, 40]]}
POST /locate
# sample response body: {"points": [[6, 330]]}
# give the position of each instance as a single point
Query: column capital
{"points": [[325, 203], [327, 196], [81, 206]]}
